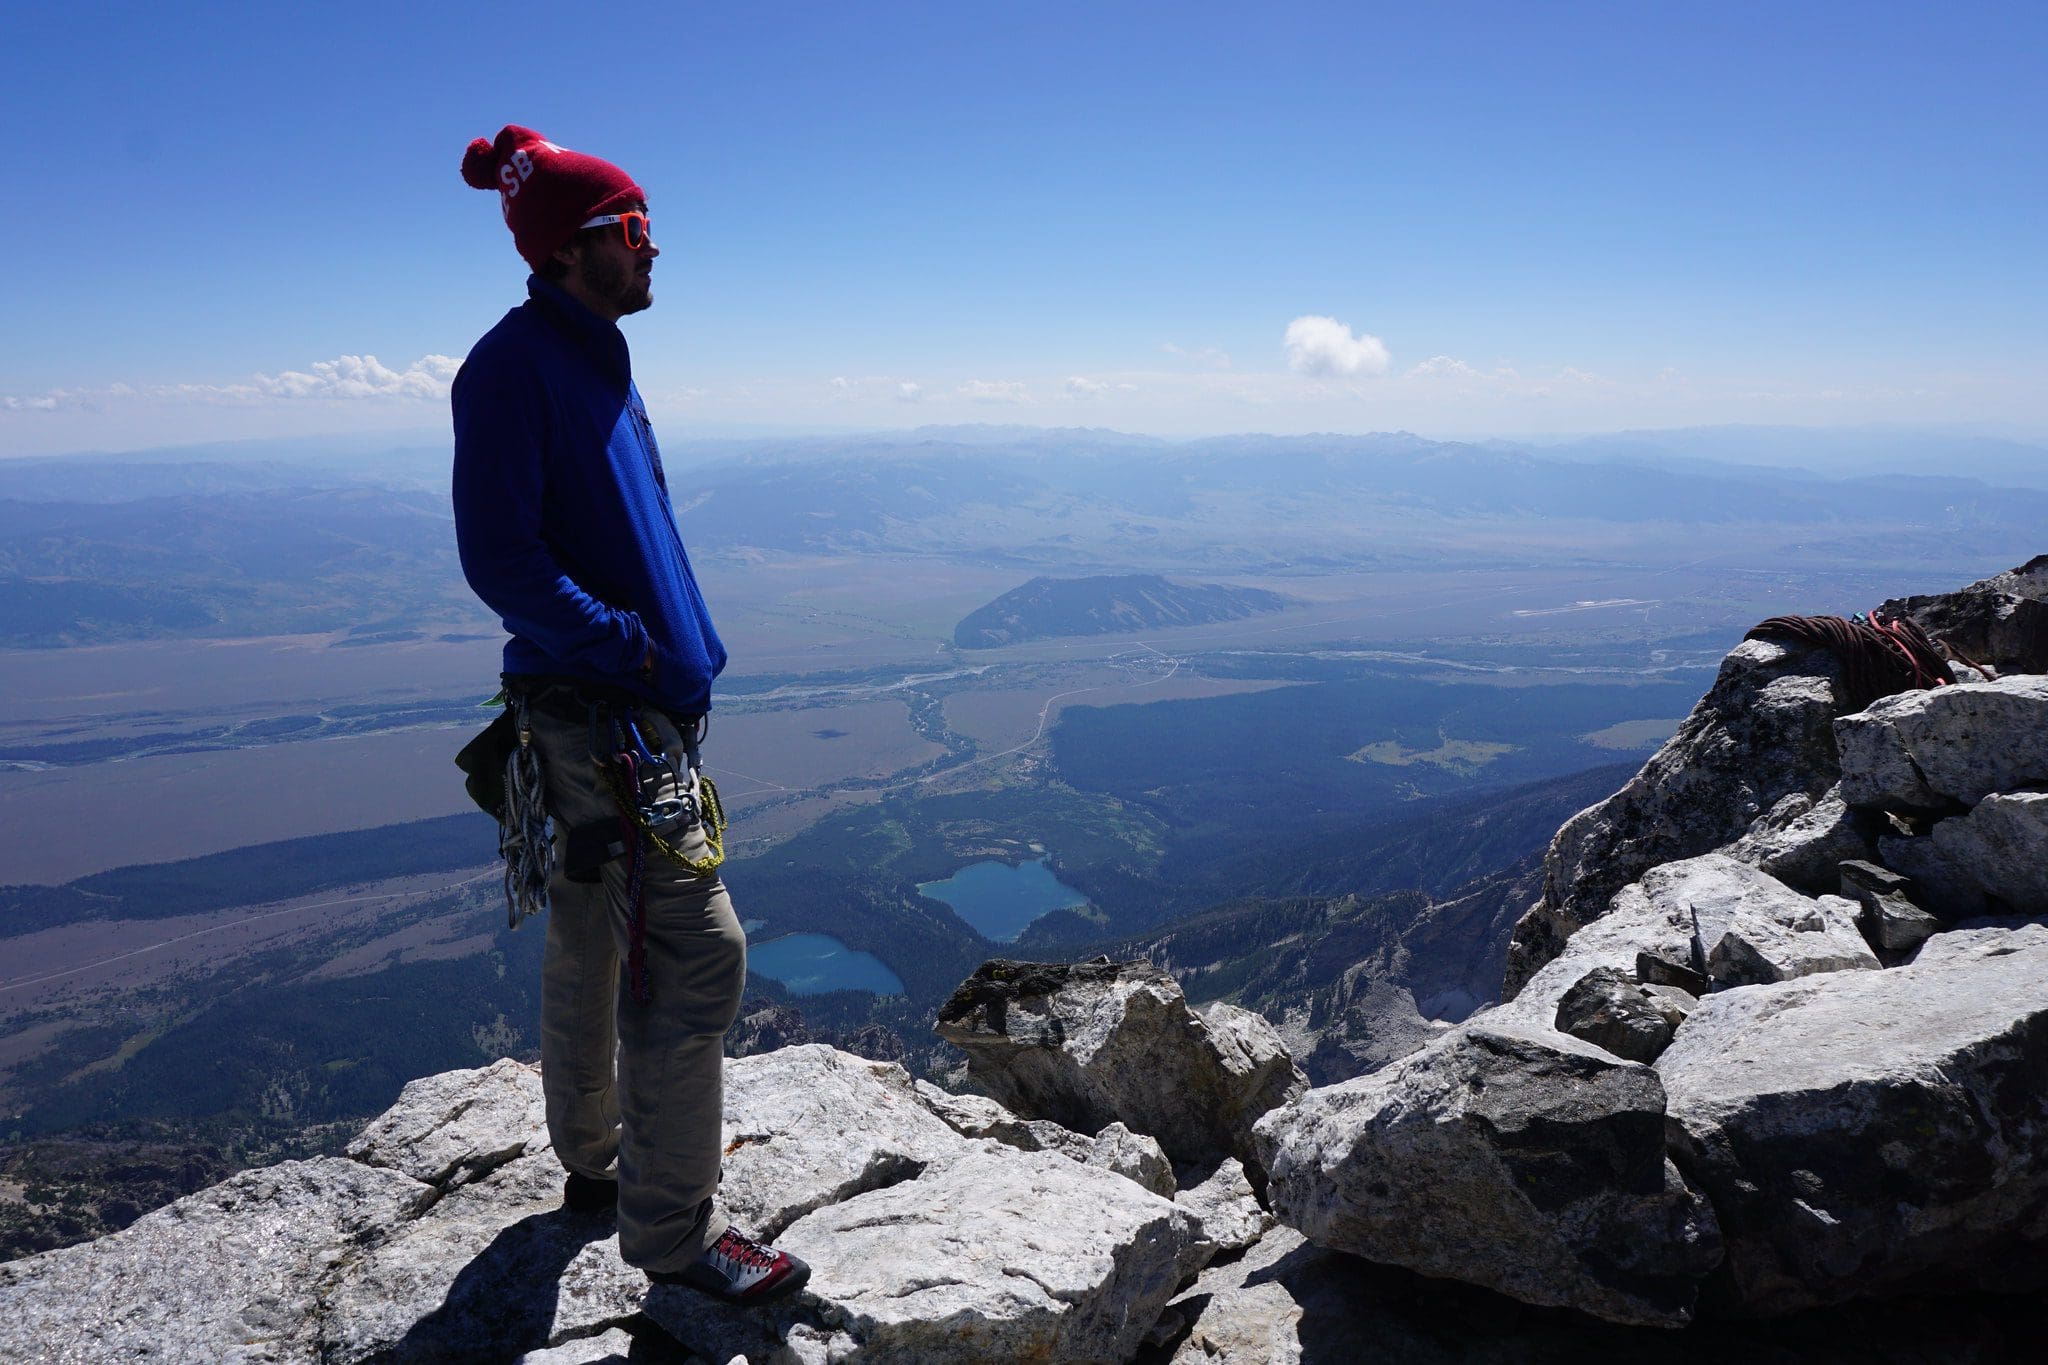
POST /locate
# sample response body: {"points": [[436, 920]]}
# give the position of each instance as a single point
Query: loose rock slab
{"points": [[808, 1126], [232, 1273], [1753, 928], [1952, 746], [458, 1125], [1229, 1211], [1874, 1131], [1094, 1043], [1510, 1157], [2002, 847]]}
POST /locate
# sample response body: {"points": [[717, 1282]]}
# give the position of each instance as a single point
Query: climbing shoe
{"points": [[740, 1270], [587, 1194]]}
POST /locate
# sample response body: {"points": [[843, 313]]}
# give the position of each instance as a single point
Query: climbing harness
{"points": [[1878, 656], [656, 800]]}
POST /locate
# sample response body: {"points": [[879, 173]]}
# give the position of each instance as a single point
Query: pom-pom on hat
{"points": [[547, 192]]}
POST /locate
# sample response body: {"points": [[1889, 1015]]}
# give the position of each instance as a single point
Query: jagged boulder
{"points": [[2001, 621], [1803, 841], [1507, 1156], [1227, 1207], [1085, 1045], [1947, 748], [1764, 731], [1610, 1009], [2002, 846], [1889, 918], [1753, 928], [1873, 1132]]}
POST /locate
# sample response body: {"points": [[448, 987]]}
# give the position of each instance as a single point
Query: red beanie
{"points": [[547, 191]]}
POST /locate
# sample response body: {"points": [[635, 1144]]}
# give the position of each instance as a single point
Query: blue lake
{"points": [[999, 900], [810, 963]]}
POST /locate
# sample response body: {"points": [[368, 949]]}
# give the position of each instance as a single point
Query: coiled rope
{"points": [[1878, 657], [525, 838]]}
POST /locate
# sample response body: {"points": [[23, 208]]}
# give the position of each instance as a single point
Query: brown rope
{"points": [[1878, 657]]}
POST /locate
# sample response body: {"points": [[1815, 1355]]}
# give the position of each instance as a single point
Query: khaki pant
{"points": [[654, 1121]]}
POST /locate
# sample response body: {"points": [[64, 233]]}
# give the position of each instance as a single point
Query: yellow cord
{"points": [[708, 804]]}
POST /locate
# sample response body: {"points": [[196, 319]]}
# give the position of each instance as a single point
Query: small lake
{"points": [[999, 900], [810, 963]]}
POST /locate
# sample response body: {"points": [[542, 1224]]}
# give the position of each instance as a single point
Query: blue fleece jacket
{"points": [[562, 511]]}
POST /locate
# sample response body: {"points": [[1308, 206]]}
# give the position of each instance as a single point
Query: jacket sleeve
{"points": [[500, 487]]}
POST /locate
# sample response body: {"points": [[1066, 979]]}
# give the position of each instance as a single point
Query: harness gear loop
{"points": [[525, 838]]}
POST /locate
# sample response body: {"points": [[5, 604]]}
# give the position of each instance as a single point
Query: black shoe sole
{"points": [[586, 1194]]}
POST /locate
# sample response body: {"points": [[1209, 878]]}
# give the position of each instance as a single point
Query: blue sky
{"points": [[1468, 218]]}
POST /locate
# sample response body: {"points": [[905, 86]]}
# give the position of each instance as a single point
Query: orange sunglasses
{"points": [[639, 229]]}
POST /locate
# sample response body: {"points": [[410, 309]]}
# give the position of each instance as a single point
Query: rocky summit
{"points": [[1771, 1070]]}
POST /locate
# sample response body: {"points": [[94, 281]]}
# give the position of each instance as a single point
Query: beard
{"points": [[619, 285]]}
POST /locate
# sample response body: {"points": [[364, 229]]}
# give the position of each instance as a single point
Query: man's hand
{"points": [[647, 665]]}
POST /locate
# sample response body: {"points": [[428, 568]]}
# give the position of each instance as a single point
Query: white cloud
{"points": [[362, 376], [1212, 356], [347, 377], [909, 391], [992, 391], [1081, 386], [1325, 346]]}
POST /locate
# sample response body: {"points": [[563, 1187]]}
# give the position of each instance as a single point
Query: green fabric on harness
{"points": [[483, 761]]}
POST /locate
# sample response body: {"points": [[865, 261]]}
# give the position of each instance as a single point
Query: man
{"points": [[564, 522]]}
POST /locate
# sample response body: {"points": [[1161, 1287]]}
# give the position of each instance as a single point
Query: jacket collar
{"points": [[602, 339]]}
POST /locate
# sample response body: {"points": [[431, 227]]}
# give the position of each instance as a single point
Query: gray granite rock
{"points": [[1754, 928], [1803, 841], [2002, 845], [1227, 1207], [613, 1347], [1941, 885], [975, 1116], [458, 1125], [1089, 1044], [1000, 1256], [1610, 1009], [1675, 1003], [1116, 1148], [1891, 920], [496, 1268], [1248, 1313], [1764, 731], [1649, 938], [1511, 1157], [809, 1126], [1874, 1132], [232, 1273], [1949, 747], [2001, 621], [1134, 1156]]}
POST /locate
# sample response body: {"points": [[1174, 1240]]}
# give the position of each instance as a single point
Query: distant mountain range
{"points": [[1048, 608], [97, 548]]}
